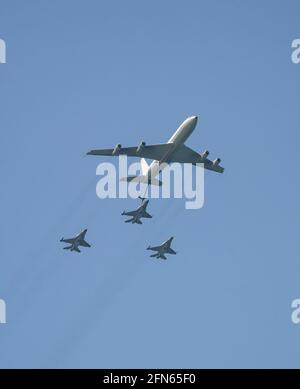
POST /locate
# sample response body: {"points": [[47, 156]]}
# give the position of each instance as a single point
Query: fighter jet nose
{"points": [[193, 120]]}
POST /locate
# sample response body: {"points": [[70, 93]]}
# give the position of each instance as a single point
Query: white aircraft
{"points": [[162, 154]]}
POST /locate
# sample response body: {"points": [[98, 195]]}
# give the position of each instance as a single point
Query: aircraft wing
{"points": [[167, 243], [208, 164], [71, 240], [156, 248], [186, 155], [156, 152], [146, 215], [82, 234], [84, 243], [130, 213], [171, 251]]}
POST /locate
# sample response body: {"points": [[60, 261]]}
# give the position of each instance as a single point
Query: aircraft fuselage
{"points": [[177, 139]]}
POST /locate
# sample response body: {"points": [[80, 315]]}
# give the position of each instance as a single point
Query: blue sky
{"points": [[88, 74]]}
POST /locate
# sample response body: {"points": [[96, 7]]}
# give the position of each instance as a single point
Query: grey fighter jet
{"points": [[164, 248], [138, 213], [75, 242]]}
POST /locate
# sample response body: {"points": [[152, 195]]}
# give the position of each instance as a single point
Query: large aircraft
{"points": [[78, 240], [173, 151], [138, 213], [164, 248]]}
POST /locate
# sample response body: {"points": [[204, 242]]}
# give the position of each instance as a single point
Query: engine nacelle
{"points": [[117, 149], [216, 162], [140, 147], [205, 154]]}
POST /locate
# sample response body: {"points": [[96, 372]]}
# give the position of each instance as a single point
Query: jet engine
{"points": [[216, 162], [205, 154], [117, 149], [140, 147]]}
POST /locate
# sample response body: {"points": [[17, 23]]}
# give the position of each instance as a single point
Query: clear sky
{"points": [[90, 74]]}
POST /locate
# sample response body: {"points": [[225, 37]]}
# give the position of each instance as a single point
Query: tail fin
{"points": [[156, 182], [144, 167]]}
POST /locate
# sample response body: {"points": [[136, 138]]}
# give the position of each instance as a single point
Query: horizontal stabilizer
{"points": [[142, 180], [128, 220]]}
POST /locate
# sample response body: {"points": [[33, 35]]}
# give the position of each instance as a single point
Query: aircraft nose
{"points": [[193, 120]]}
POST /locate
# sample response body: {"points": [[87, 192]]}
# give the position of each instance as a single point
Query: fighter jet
{"points": [[162, 154], [163, 249], [75, 242], [138, 213]]}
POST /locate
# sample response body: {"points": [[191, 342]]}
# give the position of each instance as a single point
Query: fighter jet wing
{"points": [[156, 248], [156, 152], [171, 251], [130, 213], [71, 240], [146, 215], [167, 243], [85, 244], [82, 234], [186, 155]]}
